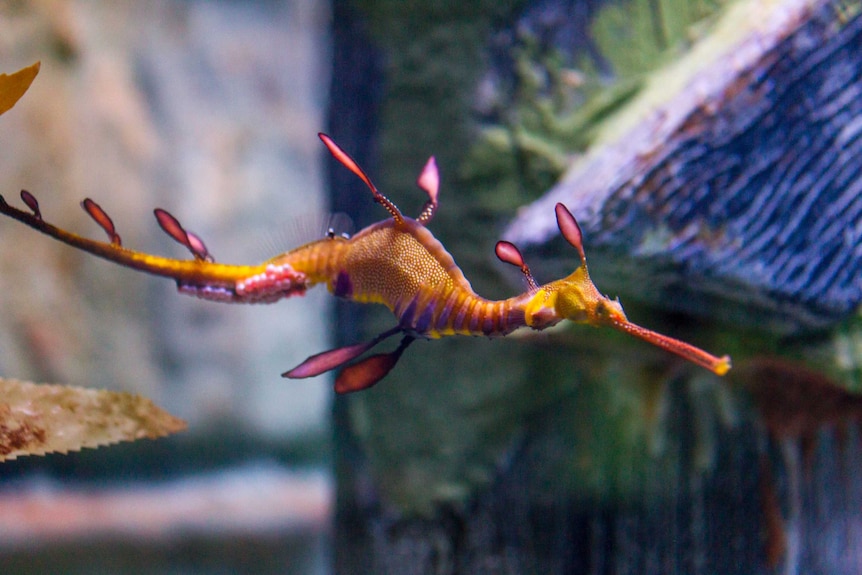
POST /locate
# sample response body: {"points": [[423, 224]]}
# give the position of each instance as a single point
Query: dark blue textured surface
{"points": [[751, 209]]}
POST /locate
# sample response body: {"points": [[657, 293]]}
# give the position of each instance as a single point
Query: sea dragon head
{"points": [[576, 298]]}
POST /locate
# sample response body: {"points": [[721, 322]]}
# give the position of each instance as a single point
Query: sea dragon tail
{"points": [[201, 276]]}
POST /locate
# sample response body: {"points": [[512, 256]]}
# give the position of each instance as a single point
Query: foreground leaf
{"points": [[36, 419], [13, 86]]}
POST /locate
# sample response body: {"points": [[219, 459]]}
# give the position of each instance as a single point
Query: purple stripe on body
{"points": [[443, 318], [423, 322], [491, 318], [458, 322], [475, 312], [514, 318], [343, 286], [406, 317]]}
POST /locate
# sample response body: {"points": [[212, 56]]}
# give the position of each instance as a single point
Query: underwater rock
{"points": [[729, 187]]}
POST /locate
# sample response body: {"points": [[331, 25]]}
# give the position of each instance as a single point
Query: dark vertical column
{"points": [[354, 104]]}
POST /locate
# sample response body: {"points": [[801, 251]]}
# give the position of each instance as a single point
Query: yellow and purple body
{"points": [[396, 262]]}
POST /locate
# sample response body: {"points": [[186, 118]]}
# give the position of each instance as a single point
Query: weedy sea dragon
{"points": [[396, 262]]}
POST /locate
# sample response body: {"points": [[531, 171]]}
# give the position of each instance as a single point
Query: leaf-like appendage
{"points": [[36, 419], [363, 374], [510, 254], [32, 203], [102, 218], [349, 163], [571, 230], [429, 179], [328, 360], [13, 86]]}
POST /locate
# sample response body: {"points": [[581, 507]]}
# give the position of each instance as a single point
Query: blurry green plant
{"points": [[561, 102]]}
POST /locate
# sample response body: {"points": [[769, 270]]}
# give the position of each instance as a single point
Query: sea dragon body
{"points": [[396, 262], [404, 267]]}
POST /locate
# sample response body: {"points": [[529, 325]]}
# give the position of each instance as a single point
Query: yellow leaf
{"points": [[36, 419], [13, 86]]}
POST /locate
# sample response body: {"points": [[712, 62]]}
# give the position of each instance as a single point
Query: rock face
{"points": [[209, 111], [730, 187]]}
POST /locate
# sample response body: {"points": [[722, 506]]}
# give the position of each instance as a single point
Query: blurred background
{"points": [[708, 149], [209, 110]]}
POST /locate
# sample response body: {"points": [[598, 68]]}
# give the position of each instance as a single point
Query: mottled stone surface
{"points": [[209, 111]]}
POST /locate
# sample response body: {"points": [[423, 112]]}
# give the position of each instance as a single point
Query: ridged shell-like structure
{"points": [[732, 187]]}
